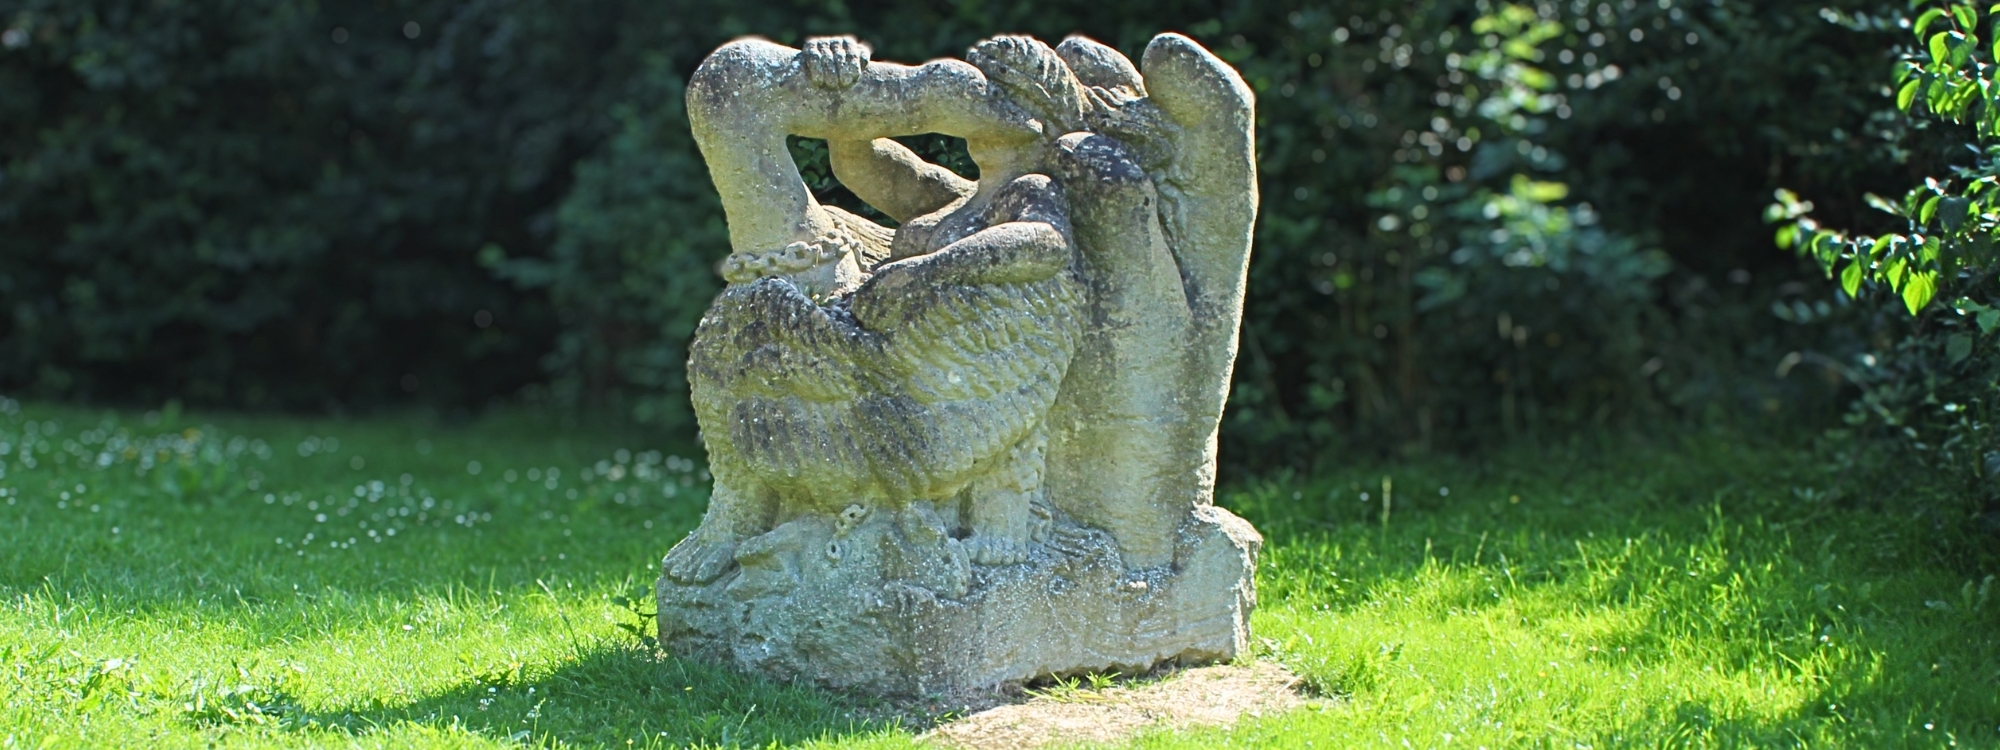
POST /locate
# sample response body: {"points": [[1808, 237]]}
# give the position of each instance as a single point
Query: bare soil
{"points": [[1206, 696]]}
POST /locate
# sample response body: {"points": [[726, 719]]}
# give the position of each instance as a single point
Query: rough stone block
{"points": [[883, 607]]}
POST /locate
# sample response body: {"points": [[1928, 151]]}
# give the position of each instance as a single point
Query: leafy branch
{"points": [[1947, 244]]}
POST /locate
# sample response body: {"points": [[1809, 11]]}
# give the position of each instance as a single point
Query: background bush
{"points": [[1931, 251], [1480, 220]]}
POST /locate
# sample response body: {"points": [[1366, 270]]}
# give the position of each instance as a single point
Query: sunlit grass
{"points": [[1708, 595], [171, 581]]}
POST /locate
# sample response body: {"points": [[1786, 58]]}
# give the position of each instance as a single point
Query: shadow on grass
{"points": [[1695, 723], [1877, 721], [1944, 695], [1730, 578], [615, 695]]}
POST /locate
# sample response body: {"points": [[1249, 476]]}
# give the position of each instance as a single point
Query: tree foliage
{"points": [[1935, 386], [1480, 218], [1487, 219]]}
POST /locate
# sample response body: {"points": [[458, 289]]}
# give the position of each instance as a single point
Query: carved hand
{"points": [[834, 62], [1034, 76], [1135, 121]]}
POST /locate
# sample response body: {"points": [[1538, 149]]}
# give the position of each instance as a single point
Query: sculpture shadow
{"points": [[620, 696]]}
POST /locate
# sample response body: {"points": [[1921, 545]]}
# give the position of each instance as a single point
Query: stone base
{"points": [[888, 603]]}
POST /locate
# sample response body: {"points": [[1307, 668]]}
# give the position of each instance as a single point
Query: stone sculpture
{"points": [[978, 448]]}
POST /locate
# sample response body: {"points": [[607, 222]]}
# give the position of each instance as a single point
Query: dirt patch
{"points": [[1207, 696]]}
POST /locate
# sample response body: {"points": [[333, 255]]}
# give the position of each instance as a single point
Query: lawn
{"points": [[172, 580]]}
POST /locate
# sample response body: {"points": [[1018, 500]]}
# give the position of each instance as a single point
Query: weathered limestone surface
{"points": [[978, 448]]}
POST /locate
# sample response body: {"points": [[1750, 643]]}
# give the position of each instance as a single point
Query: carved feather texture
{"points": [[941, 381]]}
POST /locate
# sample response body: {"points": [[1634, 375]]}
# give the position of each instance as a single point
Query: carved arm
{"points": [[894, 179], [1010, 253]]}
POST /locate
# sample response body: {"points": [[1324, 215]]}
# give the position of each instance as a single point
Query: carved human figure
{"points": [[916, 371], [849, 364], [1029, 369]]}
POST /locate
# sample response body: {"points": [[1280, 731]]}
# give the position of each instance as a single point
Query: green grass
{"points": [[168, 582]]}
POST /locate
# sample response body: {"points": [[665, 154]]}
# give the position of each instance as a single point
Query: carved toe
{"points": [[993, 550], [834, 62], [696, 561]]}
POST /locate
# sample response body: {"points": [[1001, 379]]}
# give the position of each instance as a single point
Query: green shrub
{"points": [[1932, 383], [1486, 219], [277, 204]]}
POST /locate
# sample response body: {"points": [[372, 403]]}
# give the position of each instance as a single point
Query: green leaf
{"points": [[1826, 247], [1881, 246], [1953, 213], [1787, 235], [1908, 94], [1538, 192], [1961, 105], [1850, 279], [1894, 272], [1961, 49], [1957, 347], [1919, 290], [1924, 21], [1967, 17], [1881, 204], [1930, 209], [1940, 48], [1988, 321], [1930, 250]]}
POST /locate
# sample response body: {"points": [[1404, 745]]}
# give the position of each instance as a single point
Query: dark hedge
{"points": [[1479, 219]]}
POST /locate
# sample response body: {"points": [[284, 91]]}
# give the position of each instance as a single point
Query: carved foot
{"points": [[699, 559], [834, 62], [1007, 513], [1003, 525], [988, 549]]}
